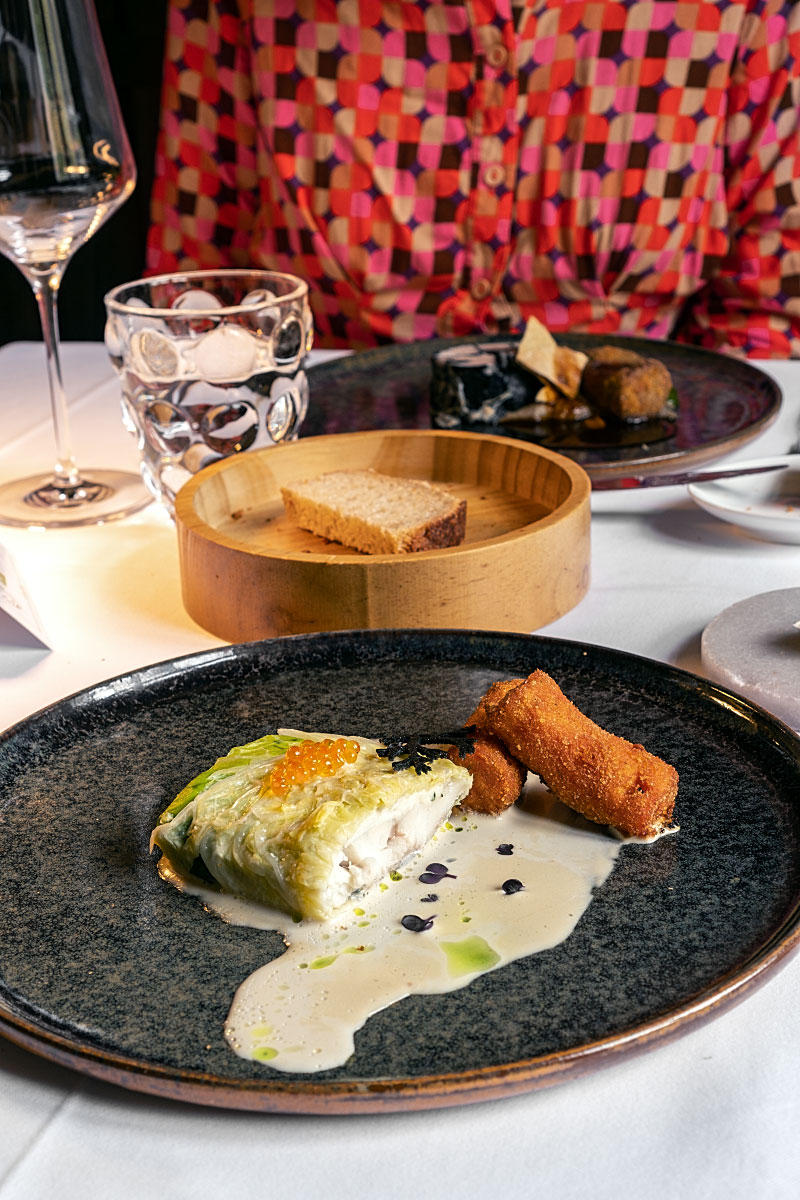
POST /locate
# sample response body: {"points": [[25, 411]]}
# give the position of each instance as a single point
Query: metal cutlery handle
{"points": [[679, 478]]}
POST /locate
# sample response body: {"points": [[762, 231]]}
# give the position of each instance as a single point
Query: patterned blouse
{"points": [[438, 167]]}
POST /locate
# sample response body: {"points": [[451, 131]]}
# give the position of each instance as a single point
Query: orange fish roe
{"points": [[309, 760]]}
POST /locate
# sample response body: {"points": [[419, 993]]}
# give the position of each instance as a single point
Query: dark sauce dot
{"points": [[505, 848], [416, 924], [512, 885], [434, 872], [431, 898]]}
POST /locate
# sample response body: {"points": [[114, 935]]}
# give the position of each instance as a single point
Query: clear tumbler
{"points": [[211, 364]]}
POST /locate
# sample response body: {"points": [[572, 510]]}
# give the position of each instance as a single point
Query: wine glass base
{"points": [[99, 497]]}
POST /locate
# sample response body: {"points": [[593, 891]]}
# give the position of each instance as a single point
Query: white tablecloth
{"points": [[714, 1114]]}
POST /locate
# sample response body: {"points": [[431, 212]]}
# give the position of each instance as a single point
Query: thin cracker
{"points": [[557, 365]]}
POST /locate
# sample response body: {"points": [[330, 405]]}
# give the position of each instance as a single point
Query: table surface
{"points": [[713, 1114]]}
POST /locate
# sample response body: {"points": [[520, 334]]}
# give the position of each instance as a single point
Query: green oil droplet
{"points": [[358, 950], [466, 920], [323, 962], [361, 924], [264, 1053], [358, 912], [395, 875], [261, 1031], [469, 955], [384, 887]]}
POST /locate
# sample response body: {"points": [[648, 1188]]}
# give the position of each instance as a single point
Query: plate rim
{"points": [[413, 1093], [372, 1096]]}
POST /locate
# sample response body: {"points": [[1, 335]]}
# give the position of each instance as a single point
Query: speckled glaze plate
{"points": [[107, 969], [722, 404]]}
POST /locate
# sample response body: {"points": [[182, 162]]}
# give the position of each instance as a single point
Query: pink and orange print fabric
{"points": [[442, 168]]}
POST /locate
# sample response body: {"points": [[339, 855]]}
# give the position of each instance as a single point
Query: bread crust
{"points": [[377, 514]]}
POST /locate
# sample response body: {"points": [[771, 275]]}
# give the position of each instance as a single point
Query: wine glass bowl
{"points": [[65, 167], [211, 363], [45, 217]]}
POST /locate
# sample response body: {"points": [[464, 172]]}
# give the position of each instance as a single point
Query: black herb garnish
{"points": [[420, 749], [505, 848], [434, 872], [512, 885], [416, 924]]}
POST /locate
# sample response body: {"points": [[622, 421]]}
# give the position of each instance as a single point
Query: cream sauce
{"points": [[300, 1012]]}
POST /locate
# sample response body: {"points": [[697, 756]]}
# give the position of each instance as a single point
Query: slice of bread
{"points": [[377, 514]]}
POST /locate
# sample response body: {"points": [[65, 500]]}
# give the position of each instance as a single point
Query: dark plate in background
{"points": [[722, 402], [107, 969]]}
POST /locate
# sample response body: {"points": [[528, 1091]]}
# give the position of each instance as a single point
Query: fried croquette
{"points": [[495, 692], [497, 777], [598, 774], [622, 384]]}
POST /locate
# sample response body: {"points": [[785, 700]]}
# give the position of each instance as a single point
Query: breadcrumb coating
{"points": [[497, 776], [598, 774]]}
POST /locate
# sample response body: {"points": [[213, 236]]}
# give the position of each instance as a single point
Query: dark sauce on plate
{"points": [[587, 435]]}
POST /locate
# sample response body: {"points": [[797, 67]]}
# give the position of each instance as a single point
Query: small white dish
{"points": [[766, 506]]}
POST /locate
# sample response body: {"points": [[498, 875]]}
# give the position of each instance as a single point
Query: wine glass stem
{"points": [[45, 289]]}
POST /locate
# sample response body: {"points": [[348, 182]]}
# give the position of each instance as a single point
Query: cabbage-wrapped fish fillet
{"points": [[305, 851]]}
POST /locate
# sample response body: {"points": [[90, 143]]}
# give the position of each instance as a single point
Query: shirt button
{"points": [[497, 56], [494, 174], [480, 289]]}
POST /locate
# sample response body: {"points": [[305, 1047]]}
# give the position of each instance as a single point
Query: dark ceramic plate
{"points": [[722, 403], [105, 968]]}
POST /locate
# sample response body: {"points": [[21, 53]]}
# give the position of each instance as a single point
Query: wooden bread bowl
{"points": [[247, 573]]}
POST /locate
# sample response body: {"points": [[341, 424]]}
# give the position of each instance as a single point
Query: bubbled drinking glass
{"points": [[212, 363]]}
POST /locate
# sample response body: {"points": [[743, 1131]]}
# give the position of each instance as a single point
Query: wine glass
{"points": [[65, 166]]}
